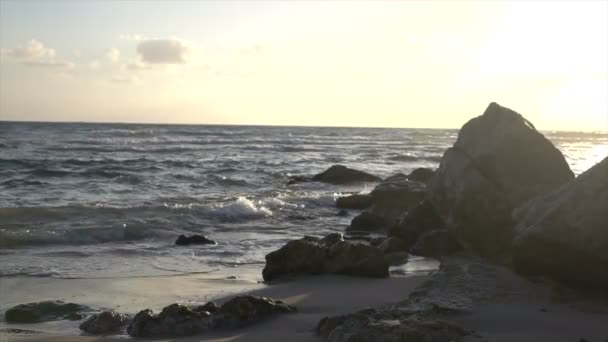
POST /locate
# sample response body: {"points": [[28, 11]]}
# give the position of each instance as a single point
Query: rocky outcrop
{"points": [[394, 196], [498, 162], [421, 175], [564, 234], [184, 240], [44, 311], [356, 201], [367, 222], [340, 174], [179, 320], [418, 220], [104, 323], [436, 243], [331, 254]]}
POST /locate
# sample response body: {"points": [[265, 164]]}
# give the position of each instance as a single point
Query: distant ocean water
{"points": [[108, 200]]}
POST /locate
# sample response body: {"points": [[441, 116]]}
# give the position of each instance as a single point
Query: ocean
{"points": [[88, 201]]}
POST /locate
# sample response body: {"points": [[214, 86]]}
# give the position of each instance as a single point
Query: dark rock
{"points": [[184, 240], [356, 201], [367, 221], [244, 310], [342, 213], [436, 243], [394, 196], [44, 311], [332, 254], [393, 244], [174, 320], [564, 234], [210, 307], [421, 174], [498, 162], [340, 174], [298, 179], [418, 220], [104, 322]]}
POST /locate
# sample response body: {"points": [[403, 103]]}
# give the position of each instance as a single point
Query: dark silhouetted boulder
{"points": [[498, 162], [340, 174], [244, 310], [367, 222], [422, 175], [356, 201], [104, 323], [418, 220], [331, 254], [564, 234], [436, 243], [174, 320], [394, 196], [393, 244], [184, 240], [44, 311]]}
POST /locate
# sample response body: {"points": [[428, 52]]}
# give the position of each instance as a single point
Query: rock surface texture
{"points": [[104, 323], [184, 240], [331, 254], [564, 234], [498, 162]]}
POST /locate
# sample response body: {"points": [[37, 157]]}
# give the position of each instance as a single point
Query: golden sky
{"points": [[377, 64]]}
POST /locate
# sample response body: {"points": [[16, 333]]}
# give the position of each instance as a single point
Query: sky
{"points": [[433, 64]]}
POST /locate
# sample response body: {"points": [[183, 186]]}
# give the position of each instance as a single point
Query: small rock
{"points": [[422, 175], [174, 320], [367, 221], [342, 213], [244, 310], [420, 219], [340, 174], [184, 240], [104, 322], [393, 244]]}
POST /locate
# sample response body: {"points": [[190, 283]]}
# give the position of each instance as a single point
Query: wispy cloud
{"points": [[35, 54], [163, 51]]}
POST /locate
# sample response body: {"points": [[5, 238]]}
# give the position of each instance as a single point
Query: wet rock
{"points": [[418, 220], [498, 162], [184, 240], [174, 320], [244, 310], [104, 322], [209, 307], [436, 243], [367, 221], [421, 174], [298, 179], [564, 234], [393, 244], [44, 311], [356, 201], [340, 174], [332, 254], [394, 196]]}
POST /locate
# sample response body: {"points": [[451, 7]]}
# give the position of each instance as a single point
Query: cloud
{"points": [[35, 54], [32, 50], [163, 51], [113, 55]]}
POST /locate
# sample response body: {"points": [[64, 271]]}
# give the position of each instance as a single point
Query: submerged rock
{"points": [[44, 311], [340, 174], [104, 322], [421, 174], [564, 234], [244, 310], [174, 320], [184, 240], [332, 254], [498, 162], [356, 201]]}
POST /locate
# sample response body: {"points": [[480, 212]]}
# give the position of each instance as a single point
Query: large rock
{"points": [[564, 234], [356, 201], [394, 196], [104, 323], [244, 310], [340, 174], [436, 243], [174, 320], [44, 311], [331, 254], [498, 162], [418, 220]]}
